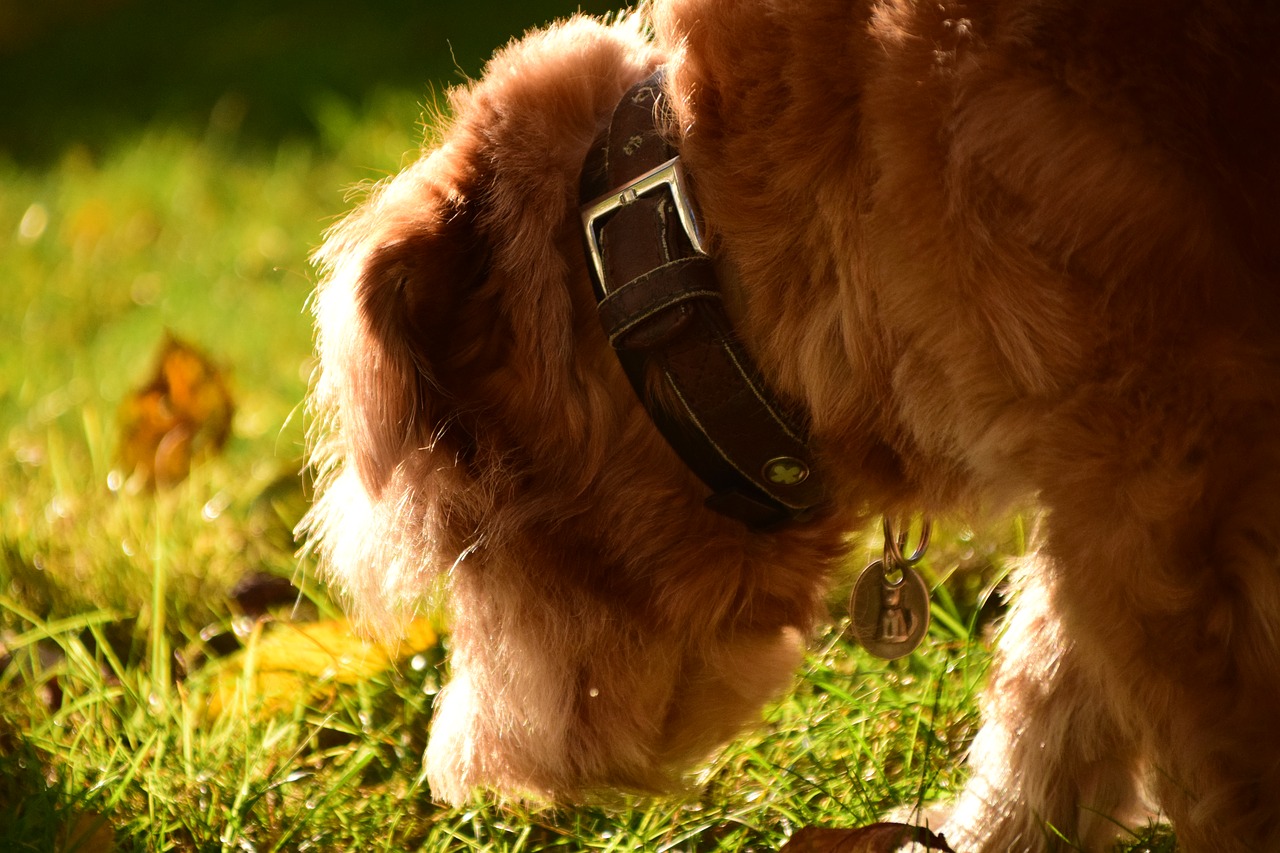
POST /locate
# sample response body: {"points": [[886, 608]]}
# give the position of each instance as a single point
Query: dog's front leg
{"points": [[1050, 769]]}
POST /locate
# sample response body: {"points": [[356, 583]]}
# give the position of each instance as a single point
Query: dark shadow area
{"points": [[32, 801], [95, 71]]}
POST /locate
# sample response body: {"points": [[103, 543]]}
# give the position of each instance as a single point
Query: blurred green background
{"points": [[167, 168], [97, 71]]}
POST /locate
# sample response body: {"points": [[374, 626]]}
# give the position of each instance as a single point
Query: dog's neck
{"points": [[666, 307], [732, 297]]}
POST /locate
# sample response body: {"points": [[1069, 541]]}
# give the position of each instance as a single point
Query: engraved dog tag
{"points": [[889, 618]]}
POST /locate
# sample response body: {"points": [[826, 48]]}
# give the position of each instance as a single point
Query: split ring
{"points": [[895, 545]]}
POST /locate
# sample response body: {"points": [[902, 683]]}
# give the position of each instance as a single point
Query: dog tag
{"points": [[889, 617]]}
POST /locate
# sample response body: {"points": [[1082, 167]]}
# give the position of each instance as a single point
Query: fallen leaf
{"points": [[876, 838], [287, 660], [181, 414], [90, 833]]}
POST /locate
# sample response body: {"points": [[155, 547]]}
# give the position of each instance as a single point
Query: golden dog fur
{"points": [[993, 249]]}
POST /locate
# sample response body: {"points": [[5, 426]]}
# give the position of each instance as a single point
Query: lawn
{"points": [[165, 169]]}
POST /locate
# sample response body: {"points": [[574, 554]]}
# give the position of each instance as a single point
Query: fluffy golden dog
{"points": [[990, 250]]}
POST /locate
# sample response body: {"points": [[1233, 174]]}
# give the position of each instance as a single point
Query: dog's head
{"points": [[475, 431]]}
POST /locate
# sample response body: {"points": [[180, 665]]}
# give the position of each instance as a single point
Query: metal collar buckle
{"points": [[671, 175]]}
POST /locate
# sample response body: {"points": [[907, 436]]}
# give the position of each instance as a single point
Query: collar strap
{"points": [[660, 304]]}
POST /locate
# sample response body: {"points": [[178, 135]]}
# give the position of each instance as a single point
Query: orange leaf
{"points": [[181, 414]]}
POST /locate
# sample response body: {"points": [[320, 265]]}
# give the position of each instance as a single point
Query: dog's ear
{"points": [[412, 284], [402, 270], [401, 288]]}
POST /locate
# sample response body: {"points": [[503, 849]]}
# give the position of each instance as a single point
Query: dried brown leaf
{"points": [[182, 413], [876, 838], [89, 833]]}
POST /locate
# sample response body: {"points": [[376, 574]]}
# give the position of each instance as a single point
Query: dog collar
{"points": [[660, 303]]}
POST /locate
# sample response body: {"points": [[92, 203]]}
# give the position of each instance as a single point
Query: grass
{"points": [[115, 604], [128, 746]]}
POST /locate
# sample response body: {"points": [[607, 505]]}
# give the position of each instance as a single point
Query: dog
{"points": [[974, 252]]}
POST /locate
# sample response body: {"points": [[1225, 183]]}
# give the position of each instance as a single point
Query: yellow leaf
{"points": [[306, 660]]}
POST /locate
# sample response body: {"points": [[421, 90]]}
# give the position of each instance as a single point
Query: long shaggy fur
{"points": [[995, 250]]}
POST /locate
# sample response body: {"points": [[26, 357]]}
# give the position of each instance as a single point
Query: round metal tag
{"points": [[889, 619]]}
